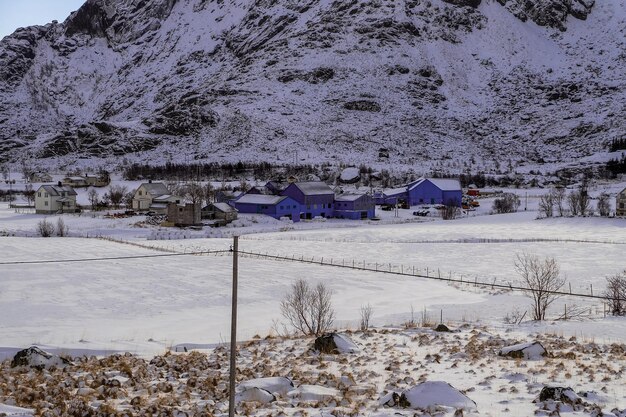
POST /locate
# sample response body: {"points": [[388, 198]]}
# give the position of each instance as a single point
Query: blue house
{"points": [[424, 191], [316, 198], [434, 191], [271, 205], [354, 206]]}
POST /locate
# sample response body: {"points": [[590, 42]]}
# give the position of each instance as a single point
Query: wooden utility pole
{"points": [[233, 331]]}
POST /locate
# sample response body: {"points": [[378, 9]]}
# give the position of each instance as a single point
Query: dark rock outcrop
{"points": [[362, 105], [34, 357]]}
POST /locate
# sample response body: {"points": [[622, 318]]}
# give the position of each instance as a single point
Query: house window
{"points": [[45, 203], [39, 194], [45, 195], [282, 207], [180, 209]]}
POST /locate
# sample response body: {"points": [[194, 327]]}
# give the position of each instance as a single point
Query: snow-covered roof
{"points": [[348, 197], [446, 184], [165, 198], [269, 200], [55, 190], [155, 188], [224, 207], [313, 188], [394, 192]]}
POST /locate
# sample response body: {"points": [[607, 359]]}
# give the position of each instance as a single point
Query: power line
{"points": [[112, 258]]}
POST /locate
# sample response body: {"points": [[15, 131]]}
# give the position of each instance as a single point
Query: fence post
{"points": [[565, 311], [591, 286], [426, 271], [570, 287]]}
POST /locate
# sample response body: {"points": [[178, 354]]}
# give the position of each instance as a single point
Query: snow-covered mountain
{"points": [[320, 80]]}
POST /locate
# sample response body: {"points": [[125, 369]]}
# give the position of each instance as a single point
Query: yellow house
{"points": [[50, 199], [153, 196]]}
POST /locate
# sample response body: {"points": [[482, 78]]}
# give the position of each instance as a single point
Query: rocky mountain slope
{"points": [[317, 80]]}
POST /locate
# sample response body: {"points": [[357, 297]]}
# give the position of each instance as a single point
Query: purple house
{"points": [[354, 206], [316, 198], [434, 191], [271, 205]]}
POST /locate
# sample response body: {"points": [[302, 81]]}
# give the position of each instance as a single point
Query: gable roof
{"points": [[56, 190], [349, 197], [313, 188], [444, 184], [393, 192], [155, 188], [269, 200], [223, 207]]}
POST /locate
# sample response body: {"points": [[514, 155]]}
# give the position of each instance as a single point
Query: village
{"points": [[198, 204]]}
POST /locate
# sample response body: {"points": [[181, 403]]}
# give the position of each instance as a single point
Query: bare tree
{"points": [[309, 310], [94, 199], [542, 278], [546, 205], [558, 196], [29, 194], [115, 194], [366, 314], [615, 293], [209, 193], [604, 205], [45, 228], [62, 229], [572, 201]]}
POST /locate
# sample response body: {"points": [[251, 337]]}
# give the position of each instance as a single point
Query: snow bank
{"points": [[276, 385], [314, 393], [254, 394]]}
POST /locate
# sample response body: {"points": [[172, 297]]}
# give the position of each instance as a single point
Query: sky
{"points": [[20, 13]]}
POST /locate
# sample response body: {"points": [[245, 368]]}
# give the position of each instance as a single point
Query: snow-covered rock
{"points": [[531, 350], [34, 357], [276, 385], [350, 175], [335, 343], [562, 394], [436, 393]]}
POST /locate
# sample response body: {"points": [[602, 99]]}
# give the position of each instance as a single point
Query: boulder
{"points": [[335, 343], [562, 394], [442, 328], [362, 105], [276, 385], [431, 394], [34, 357], [10, 410], [531, 350], [350, 175]]}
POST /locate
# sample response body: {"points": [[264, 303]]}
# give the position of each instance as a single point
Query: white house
{"points": [[50, 199], [153, 196]]}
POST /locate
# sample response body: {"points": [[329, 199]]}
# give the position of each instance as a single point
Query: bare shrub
{"points": [[366, 314], [508, 203], [542, 278], [45, 228], [29, 194], [546, 205], [604, 206], [615, 294], [309, 309], [62, 229], [578, 202], [450, 211]]}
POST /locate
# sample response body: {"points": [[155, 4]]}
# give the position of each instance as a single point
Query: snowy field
{"points": [[148, 305], [151, 305]]}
